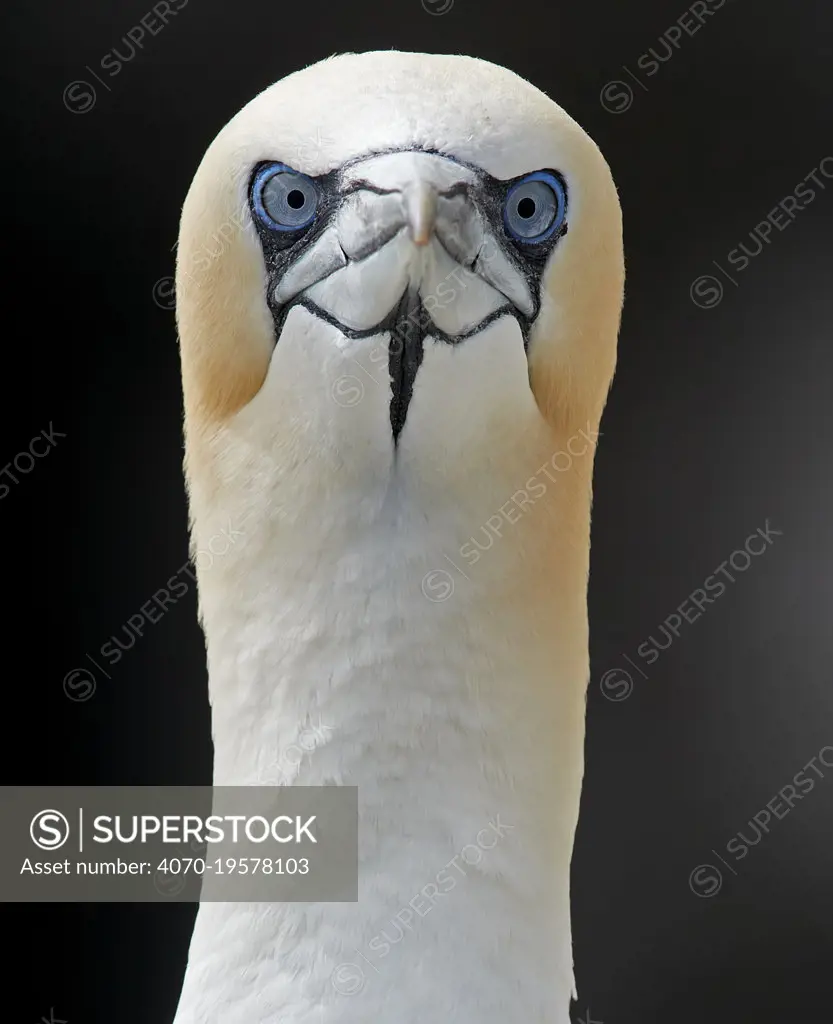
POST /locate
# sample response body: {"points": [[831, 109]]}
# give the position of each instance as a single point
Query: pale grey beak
{"points": [[420, 199]]}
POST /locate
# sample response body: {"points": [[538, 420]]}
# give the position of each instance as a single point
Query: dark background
{"points": [[719, 419]]}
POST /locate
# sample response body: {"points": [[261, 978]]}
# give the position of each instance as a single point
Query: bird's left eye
{"points": [[285, 200], [534, 208]]}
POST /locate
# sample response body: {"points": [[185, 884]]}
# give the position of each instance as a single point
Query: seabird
{"points": [[394, 364]]}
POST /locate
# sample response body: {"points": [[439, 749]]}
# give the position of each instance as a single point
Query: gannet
{"points": [[399, 287]]}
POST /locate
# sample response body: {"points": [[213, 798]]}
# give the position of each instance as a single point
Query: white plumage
{"points": [[447, 714]]}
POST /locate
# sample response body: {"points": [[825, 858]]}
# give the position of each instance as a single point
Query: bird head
{"points": [[395, 259]]}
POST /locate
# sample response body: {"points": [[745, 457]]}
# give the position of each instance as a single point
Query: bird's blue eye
{"points": [[285, 200], [534, 208]]}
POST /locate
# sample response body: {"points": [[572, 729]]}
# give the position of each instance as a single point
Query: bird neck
{"points": [[442, 671]]}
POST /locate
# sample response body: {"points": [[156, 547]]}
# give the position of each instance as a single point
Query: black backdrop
{"points": [[718, 422]]}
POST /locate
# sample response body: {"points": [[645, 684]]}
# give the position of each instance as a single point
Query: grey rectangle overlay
{"points": [[184, 844]]}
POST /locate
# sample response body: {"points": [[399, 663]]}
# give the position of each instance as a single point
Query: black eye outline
{"points": [[560, 193], [262, 179]]}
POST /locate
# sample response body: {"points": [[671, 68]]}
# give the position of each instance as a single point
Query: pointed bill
{"points": [[421, 210]]}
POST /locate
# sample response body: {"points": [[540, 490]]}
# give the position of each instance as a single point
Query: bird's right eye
{"points": [[284, 199], [535, 207]]}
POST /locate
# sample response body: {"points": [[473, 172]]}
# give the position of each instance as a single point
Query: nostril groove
{"points": [[459, 188]]}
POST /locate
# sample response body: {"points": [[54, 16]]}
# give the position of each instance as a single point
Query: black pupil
{"points": [[526, 207], [296, 199]]}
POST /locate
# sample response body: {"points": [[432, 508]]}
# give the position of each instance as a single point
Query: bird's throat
{"points": [[343, 651]]}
